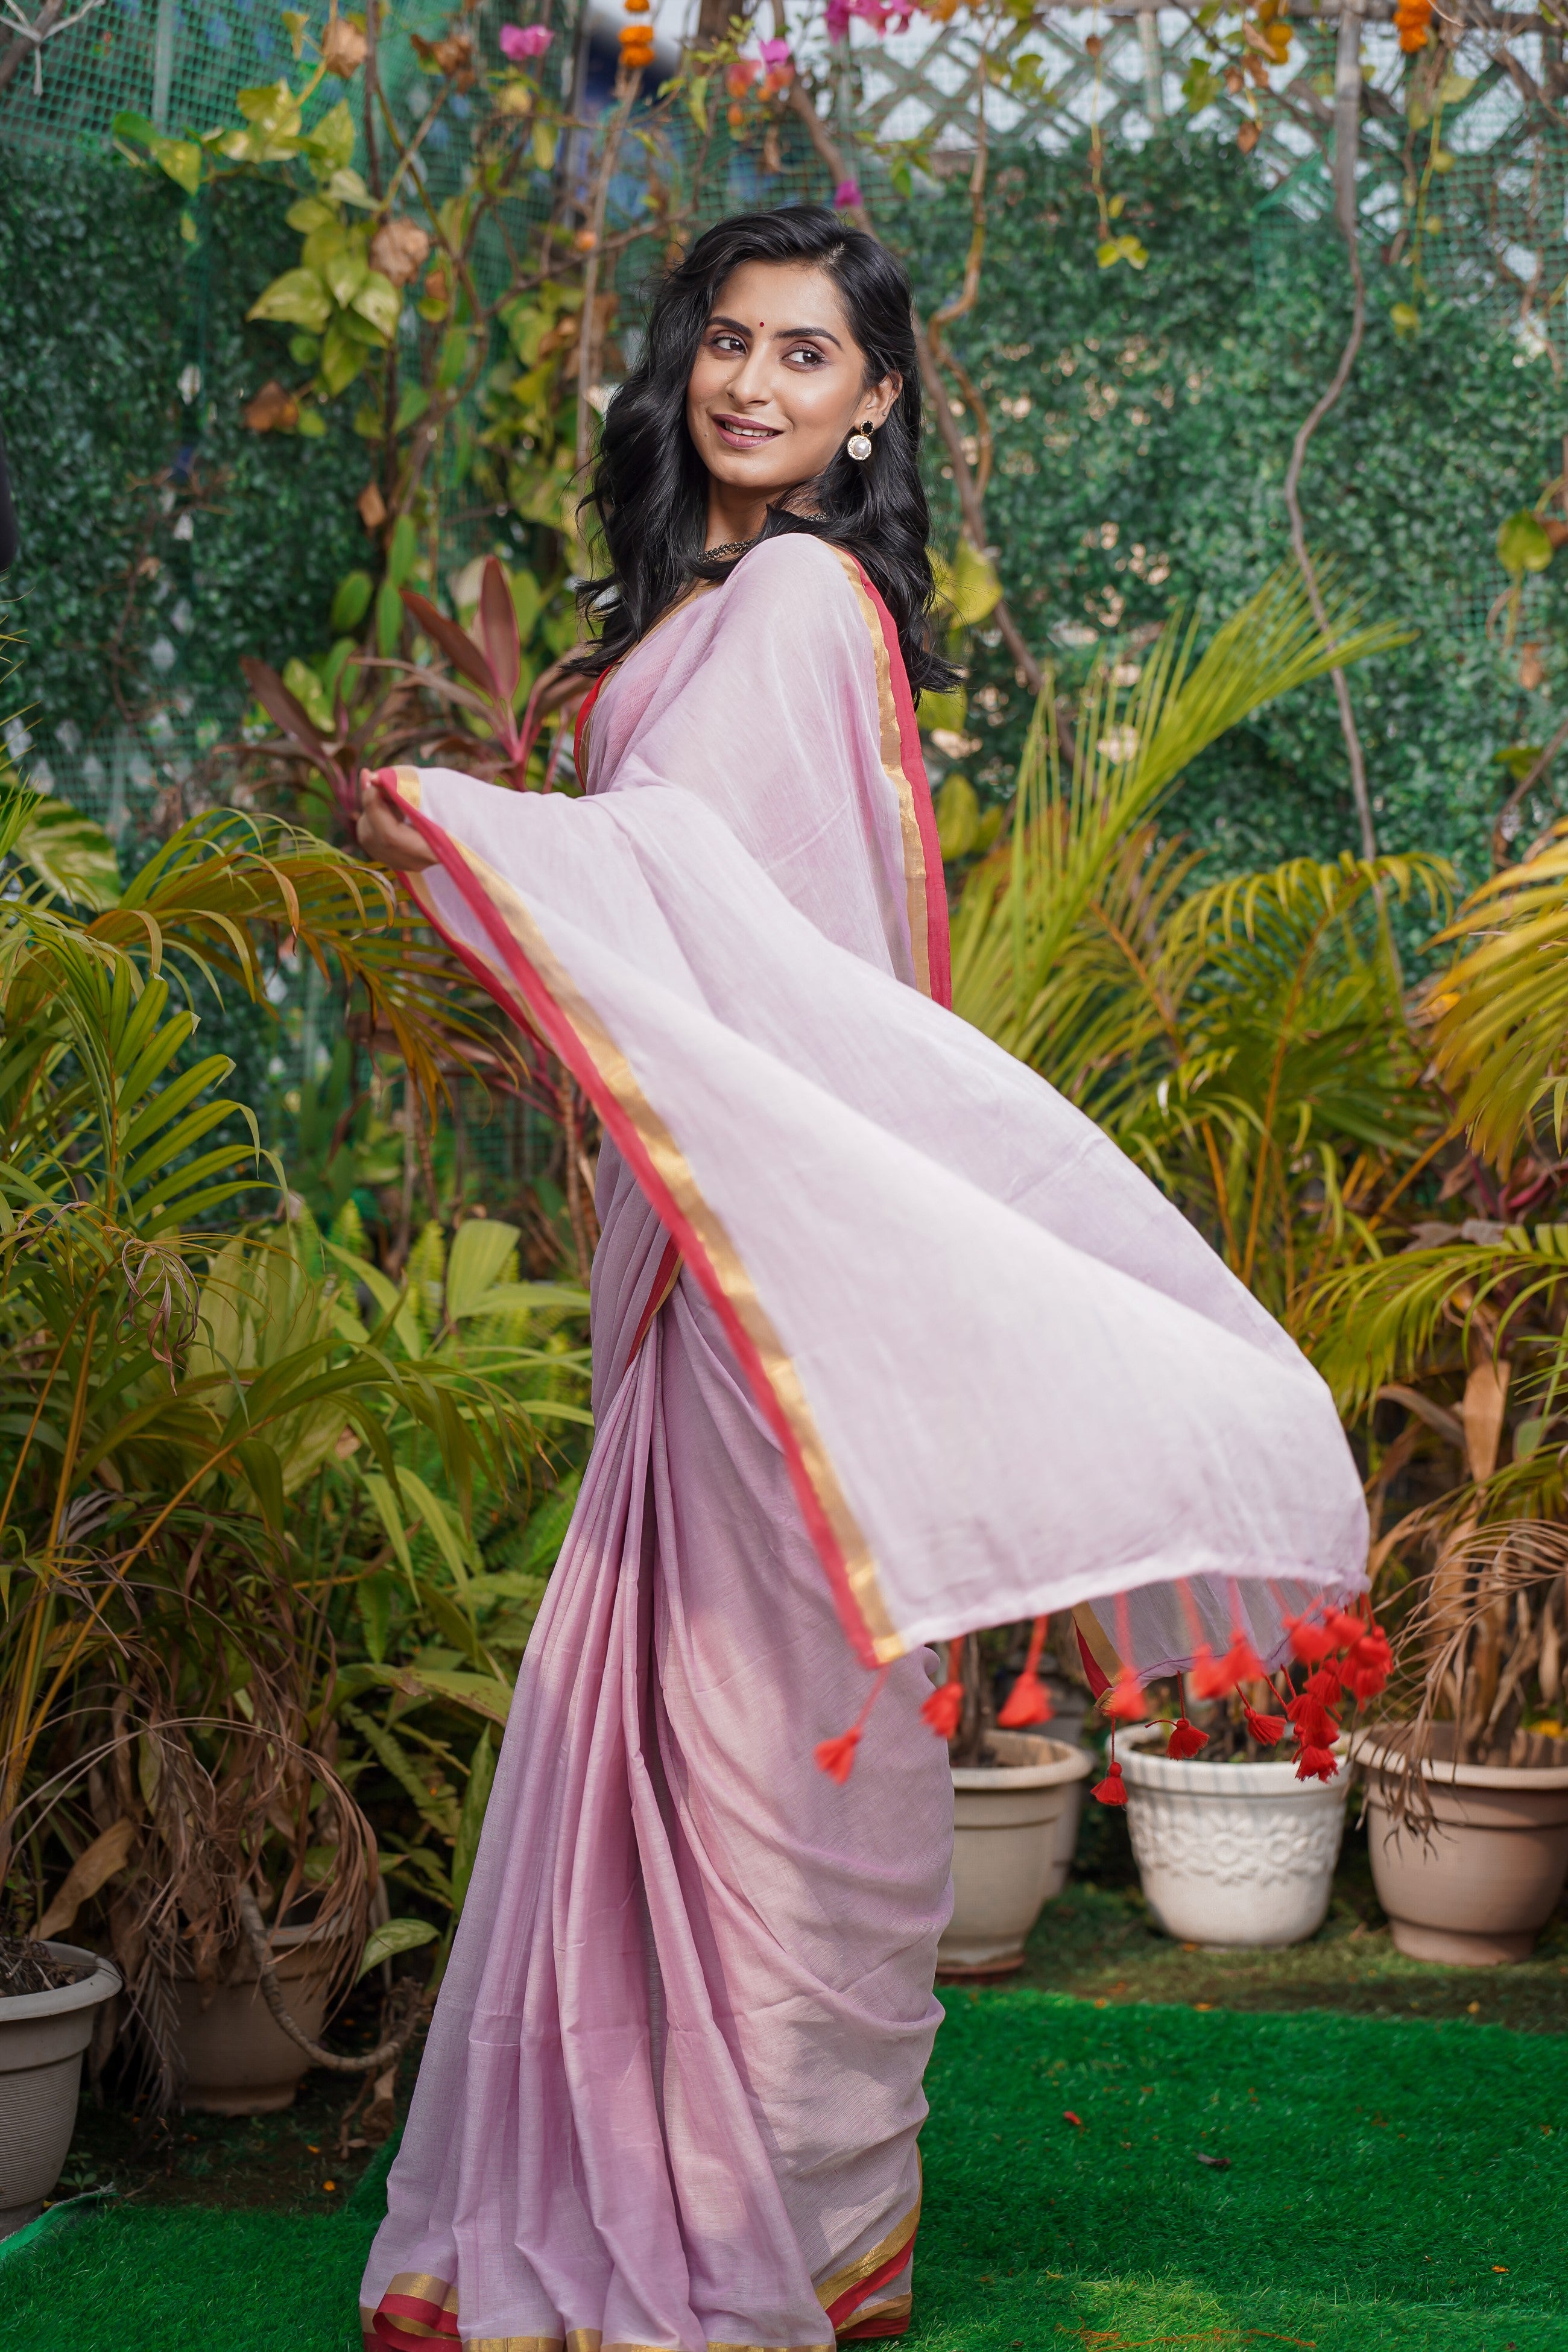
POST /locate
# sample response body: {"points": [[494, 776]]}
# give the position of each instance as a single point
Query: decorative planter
{"points": [[42, 2037], [233, 2057], [1231, 1854], [1014, 1827], [1479, 1886]]}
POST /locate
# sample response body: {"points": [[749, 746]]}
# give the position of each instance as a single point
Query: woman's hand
{"points": [[387, 837]]}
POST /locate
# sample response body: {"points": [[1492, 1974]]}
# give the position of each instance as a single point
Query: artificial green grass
{"points": [[1388, 2184]]}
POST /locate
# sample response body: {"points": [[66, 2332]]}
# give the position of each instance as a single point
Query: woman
{"points": [[888, 1342]]}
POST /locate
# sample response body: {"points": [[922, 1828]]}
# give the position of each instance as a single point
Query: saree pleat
{"points": [[674, 2075]]}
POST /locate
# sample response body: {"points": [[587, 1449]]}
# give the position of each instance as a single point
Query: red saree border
{"points": [[542, 996], [1101, 1659], [925, 885]]}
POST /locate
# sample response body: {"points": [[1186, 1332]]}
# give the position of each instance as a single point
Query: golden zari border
{"points": [[892, 753], [672, 1166], [902, 2235], [577, 2339]]}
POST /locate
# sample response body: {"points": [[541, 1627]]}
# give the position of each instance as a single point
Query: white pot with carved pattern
{"points": [[1231, 1854]]}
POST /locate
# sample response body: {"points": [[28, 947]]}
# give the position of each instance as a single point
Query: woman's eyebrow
{"points": [[783, 334]]}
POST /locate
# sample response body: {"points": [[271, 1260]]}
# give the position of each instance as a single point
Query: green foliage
{"points": [[102, 304], [1148, 465]]}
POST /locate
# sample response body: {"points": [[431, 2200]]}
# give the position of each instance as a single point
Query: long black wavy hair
{"points": [[649, 486]]}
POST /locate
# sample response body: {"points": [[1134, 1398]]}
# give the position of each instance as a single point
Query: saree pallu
{"points": [[936, 1356]]}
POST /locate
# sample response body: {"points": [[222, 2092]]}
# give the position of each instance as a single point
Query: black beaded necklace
{"points": [[728, 549]]}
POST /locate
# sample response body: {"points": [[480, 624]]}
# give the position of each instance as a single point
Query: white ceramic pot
{"points": [[1478, 1887], [1231, 1854], [1014, 1827], [42, 2037]]}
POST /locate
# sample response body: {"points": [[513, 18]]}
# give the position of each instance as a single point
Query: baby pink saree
{"points": [[888, 1342]]}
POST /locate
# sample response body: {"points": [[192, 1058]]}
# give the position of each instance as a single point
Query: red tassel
{"points": [[1215, 1677], [1269, 1730], [1185, 1740], [1316, 1763], [1324, 1683], [943, 1708], [1126, 1701], [1241, 1661], [1112, 1790], [1206, 1675], [1309, 1641], [1344, 1628], [836, 1756], [1365, 1670], [1315, 1727], [1027, 1701]]}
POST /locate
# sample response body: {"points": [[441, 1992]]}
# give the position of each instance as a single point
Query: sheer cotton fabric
{"points": [[1007, 1375]]}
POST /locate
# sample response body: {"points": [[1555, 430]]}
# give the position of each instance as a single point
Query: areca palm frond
{"points": [[1384, 1321], [1501, 1014], [210, 908], [1289, 1090], [1130, 747]]}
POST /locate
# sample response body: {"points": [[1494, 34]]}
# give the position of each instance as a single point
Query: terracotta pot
{"points": [[1480, 1888], [42, 2037], [1231, 1854], [1014, 1827], [233, 2057]]}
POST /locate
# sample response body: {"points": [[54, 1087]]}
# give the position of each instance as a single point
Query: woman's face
{"points": [[779, 381]]}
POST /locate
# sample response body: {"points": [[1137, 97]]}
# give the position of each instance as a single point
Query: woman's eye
{"points": [[727, 343], [807, 351]]}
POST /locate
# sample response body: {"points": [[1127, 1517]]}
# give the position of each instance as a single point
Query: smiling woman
{"points": [[888, 1343]]}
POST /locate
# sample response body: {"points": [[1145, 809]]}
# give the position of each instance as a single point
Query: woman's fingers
{"points": [[387, 837]]}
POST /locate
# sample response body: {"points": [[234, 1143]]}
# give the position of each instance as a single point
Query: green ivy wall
{"points": [[1143, 424]]}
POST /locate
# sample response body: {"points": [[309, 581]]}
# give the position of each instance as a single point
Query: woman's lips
{"points": [[738, 433]]}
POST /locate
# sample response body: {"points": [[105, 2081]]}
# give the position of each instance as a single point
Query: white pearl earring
{"points": [[860, 445]]}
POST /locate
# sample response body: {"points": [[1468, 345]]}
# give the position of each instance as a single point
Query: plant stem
{"points": [[1344, 177], [588, 339]]}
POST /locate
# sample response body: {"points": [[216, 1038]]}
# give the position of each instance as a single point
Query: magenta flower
{"points": [[839, 15], [775, 53], [846, 193], [520, 41]]}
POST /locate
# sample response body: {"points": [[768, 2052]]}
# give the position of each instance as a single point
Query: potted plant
{"points": [[1234, 1847], [1017, 1799], [239, 1453], [50, 1996], [1451, 1352]]}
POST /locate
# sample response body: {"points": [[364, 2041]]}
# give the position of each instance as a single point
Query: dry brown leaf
{"points": [[92, 1868], [399, 249], [273, 410], [343, 47]]}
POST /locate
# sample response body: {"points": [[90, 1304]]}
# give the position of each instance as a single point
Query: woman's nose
{"points": [[752, 378]]}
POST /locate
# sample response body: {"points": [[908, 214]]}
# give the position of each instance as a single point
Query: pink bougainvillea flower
{"points": [[846, 193], [520, 41], [775, 54]]}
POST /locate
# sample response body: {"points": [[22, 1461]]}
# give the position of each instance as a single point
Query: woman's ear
{"points": [[881, 401]]}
